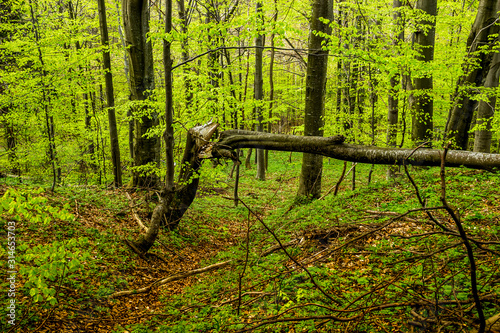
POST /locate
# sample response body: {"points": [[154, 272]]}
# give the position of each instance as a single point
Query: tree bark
{"points": [[422, 117], [486, 109], [258, 92], [9, 18], [477, 64], [392, 100], [140, 54], [173, 204], [271, 78], [317, 61], [169, 130], [110, 97], [184, 18], [335, 147]]}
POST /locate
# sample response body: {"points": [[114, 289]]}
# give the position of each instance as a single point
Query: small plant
{"points": [[49, 264]]}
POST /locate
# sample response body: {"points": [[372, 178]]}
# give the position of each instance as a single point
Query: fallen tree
{"points": [[335, 147], [173, 204]]}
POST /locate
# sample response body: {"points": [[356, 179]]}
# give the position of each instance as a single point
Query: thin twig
{"points": [[465, 240], [288, 254]]}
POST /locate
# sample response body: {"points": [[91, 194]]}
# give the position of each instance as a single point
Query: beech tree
{"points": [[110, 97], [392, 100], [481, 48], [424, 37], [486, 108], [317, 63], [258, 91], [140, 53], [8, 15]]}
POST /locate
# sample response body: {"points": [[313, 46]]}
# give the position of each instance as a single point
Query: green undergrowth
{"points": [[353, 284], [358, 261]]}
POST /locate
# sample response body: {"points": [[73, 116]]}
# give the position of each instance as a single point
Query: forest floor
{"points": [[365, 260]]}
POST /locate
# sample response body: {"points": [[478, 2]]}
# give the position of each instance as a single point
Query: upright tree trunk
{"points": [[486, 109], [169, 131], [110, 98], [271, 78], [9, 20], [422, 117], [126, 69], [317, 61], [258, 92], [475, 69], [392, 102], [184, 18], [46, 101], [140, 53]]}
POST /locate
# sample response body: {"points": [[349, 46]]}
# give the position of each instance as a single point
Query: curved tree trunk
{"points": [[475, 68], [175, 202], [486, 109]]}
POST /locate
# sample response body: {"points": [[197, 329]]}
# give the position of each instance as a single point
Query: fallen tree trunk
{"points": [[335, 147], [173, 204]]}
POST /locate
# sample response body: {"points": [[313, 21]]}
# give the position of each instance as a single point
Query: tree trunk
{"points": [[173, 204], [392, 102], [169, 130], [140, 54], [258, 92], [317, 61], [184, 18], [422, 117], [110, 98], [271, 78], [486, 109], [335, 147], [475, 69], [9, 20]]}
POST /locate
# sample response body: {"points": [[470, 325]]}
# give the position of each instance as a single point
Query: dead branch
{"points": [[171, 278], [134, 213]]}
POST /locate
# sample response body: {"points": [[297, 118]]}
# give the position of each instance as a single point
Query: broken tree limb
{"points": [[170, 278], [335, 147], [174, 203], [134, 213]]}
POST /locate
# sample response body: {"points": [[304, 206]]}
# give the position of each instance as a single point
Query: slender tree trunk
{"points": [[424, 39], [9, 20], [131, 123], [392, 102], [169, 131], [110, 98], [258, 92], [184, 23], [271, 78], [475, 68], [49, 119], [140, 54], [317, 61]]}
